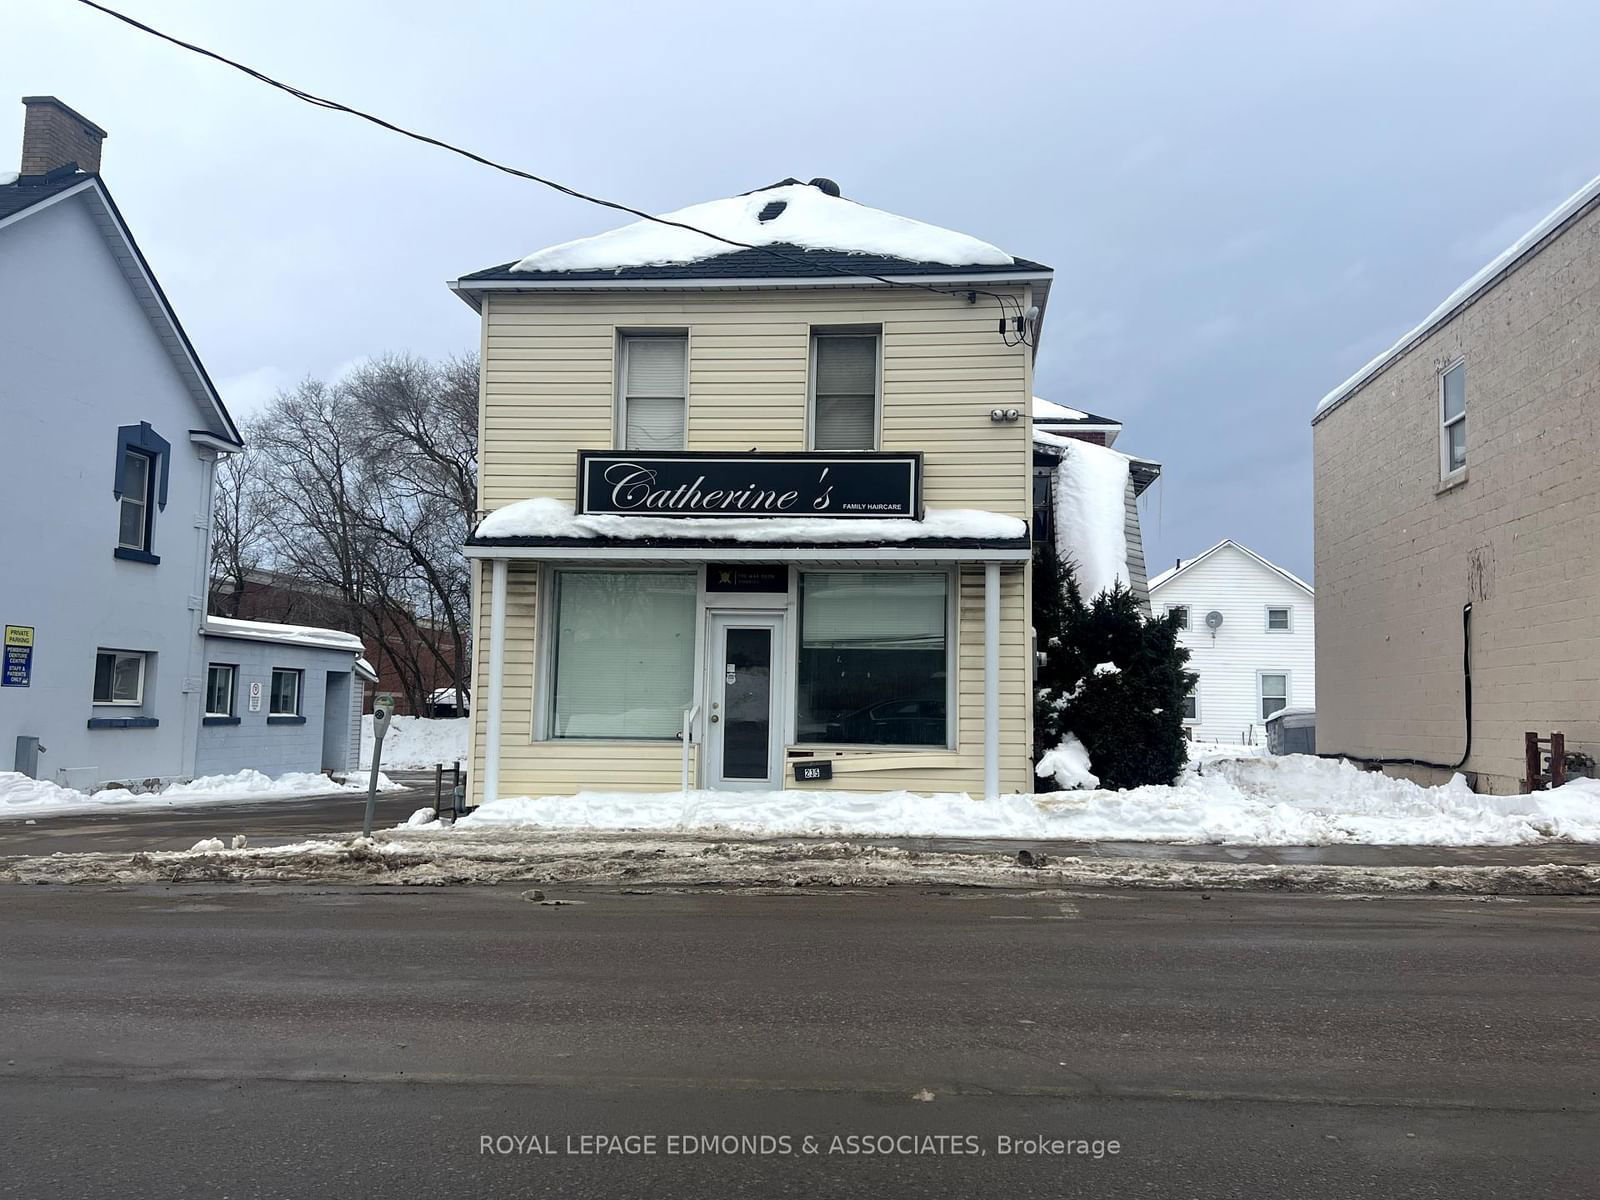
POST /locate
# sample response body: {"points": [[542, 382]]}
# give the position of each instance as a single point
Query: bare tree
{"points": [[239, 536]]}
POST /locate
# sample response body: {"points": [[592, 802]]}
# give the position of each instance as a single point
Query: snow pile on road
{"points": [[1068, 763], [1091, 511], [545, 516], [807, 217], [21, 796], [416, 743], [1261, 801]]}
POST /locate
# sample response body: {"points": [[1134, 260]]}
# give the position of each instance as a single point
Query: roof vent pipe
{"points": [[826, 186]]}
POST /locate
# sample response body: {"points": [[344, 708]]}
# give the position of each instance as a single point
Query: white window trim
{"points": [[138, 699], [544, 713], [1266, 618], [1188, 610], [1446, 472], [299, 692], [952, 668], [145, 499], [875, 331], [1261, 698], [233, 688], [1195, 692], [619, 402]]}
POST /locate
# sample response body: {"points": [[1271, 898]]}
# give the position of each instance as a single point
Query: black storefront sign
{"points": [[690, 484], [747, 577]]}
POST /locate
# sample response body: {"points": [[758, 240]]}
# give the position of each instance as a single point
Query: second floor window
{"points": [[138, 479], [654, 391], [1453, 420], [844, 386], [1180, 613]]}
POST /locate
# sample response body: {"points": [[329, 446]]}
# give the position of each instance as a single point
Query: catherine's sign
{"points": [[689, 484]]}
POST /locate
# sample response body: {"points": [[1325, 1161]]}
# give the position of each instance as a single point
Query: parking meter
{"points": [[382, 710]]}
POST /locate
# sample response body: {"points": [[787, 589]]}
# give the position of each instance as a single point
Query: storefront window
{"points": [[624, 654], [874, 663]]}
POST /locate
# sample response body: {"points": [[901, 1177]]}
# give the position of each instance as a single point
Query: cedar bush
{"points": [[1131, 722]]}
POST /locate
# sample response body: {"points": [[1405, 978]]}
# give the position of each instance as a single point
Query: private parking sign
{"points": [[17, 668]]}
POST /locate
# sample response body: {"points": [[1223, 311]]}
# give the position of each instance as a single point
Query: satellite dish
{"points": [[1213, 620]]}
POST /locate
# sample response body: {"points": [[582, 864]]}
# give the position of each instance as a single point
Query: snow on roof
{"points": [[809, 218], [7, 178], [544, 516], [1481, 282], [366, 671], [1091, 513], [291, 635], [1185, 563], [1046, 410]]}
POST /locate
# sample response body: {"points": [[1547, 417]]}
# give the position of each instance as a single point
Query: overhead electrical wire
{"points": [[1010, 308]]}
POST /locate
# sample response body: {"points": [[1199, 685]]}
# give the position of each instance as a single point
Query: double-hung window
{"points": [[1191, 703], [1274, 691], [285, 699], [654, 398], [119, 677], [1278, 619], [219, 690], [844, 389], [138, 480], [874, 658], [1180, 615], [1453, 420], [622, 654]]}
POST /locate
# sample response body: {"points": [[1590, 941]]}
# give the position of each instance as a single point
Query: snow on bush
{"points": [[1264, 801], [416, 743], [1068, 764]]}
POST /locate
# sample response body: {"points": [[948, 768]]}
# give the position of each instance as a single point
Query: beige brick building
{"points": [[1459, 468]]}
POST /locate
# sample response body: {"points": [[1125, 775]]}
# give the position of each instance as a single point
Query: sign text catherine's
{"points": [[690, 484]]}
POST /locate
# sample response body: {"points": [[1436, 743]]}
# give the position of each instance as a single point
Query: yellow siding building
{"points": [[756, 515]]}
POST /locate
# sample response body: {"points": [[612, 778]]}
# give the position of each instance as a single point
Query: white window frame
{"points": [[145, 500], [620, 404], [1287, 610], [821, 331], [299, 692], [1194, 694], [1446, 471], [233, 688], [138, 698], [952, 651], [1187, 609], [1261, 696]]}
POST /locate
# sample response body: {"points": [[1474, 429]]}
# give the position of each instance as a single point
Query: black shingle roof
{"points": [[775, 262], [1088, 418], [31, 189]]}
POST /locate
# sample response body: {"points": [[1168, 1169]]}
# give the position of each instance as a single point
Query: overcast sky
{"points": [[1243, 202]]}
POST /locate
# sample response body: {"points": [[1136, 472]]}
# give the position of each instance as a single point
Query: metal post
{"points": [[497, 671], [991, 680], [372, 780], [438, 789]]}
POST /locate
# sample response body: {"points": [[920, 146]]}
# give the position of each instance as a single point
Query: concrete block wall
{"points": [[1398, 554]]}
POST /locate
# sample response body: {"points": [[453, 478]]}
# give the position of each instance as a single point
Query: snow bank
{"points": [[416, 743], [811, 219], [1261, 801], [1068, 764], [544, 516], [1091, 508], [24, 797]]}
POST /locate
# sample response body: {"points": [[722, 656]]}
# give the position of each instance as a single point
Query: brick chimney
{"points": [[53, 136]]}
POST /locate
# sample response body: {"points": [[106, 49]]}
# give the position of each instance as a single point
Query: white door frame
{"points": [[719, 621]]}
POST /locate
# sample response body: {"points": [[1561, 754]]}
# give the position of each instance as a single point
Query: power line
{"points": [[1007, 303]]}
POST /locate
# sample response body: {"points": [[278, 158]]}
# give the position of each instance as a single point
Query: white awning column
{"points": [[991, 680], [497, 673]]}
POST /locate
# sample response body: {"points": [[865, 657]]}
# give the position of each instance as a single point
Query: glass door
{"points": [[743, 737]]}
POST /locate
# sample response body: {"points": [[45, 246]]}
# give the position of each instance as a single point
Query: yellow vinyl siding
{"points": [[549, 387]]}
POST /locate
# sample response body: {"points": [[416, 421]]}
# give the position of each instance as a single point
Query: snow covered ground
{"points": [[416, 743], [28, 798], [1258, 801]]}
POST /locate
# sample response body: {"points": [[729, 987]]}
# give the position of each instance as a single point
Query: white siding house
{"points": [[1257, 654]]}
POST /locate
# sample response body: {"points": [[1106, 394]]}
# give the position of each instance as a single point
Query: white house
{"points": [[113, 429], [1250, 628]]}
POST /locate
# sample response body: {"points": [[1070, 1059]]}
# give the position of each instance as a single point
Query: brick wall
{"points": [[1397, 555]]}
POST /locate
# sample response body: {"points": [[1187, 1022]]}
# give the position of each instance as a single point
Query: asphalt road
{"points": [[294, 1042]]}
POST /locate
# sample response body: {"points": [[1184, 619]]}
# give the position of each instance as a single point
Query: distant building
{"points": [[1250, 629], [113, 429], [1458, 469]]}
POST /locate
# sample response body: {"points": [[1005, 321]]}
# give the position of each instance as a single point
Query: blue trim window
{"points": [[144, 460], [285, 697]]}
